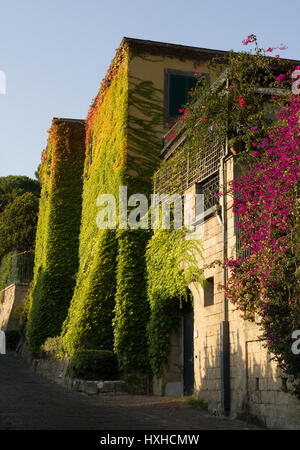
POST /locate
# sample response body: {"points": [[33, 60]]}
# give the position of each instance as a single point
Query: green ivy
{"points": [[132, 309], [109, 308], [56, 258], [172, 264], [89, 321]]}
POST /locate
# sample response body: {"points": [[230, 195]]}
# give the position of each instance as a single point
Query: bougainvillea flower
{"points": [[241, 101], [281, 77], [249, 39]]}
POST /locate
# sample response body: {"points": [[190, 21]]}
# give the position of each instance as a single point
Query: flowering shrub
{"points": [[266, 202], [236, 107]]}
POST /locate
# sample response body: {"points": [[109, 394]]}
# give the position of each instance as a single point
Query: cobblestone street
{"points": [[31, 402]]}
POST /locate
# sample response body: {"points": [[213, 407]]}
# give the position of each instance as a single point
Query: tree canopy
{"points": [[14, 186], [18, 224]]}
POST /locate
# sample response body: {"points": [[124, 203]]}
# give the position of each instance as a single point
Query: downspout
{"points": [[224, 325]]}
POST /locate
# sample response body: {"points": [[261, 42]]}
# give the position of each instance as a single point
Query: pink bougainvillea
{"points": [[248, 39], [265, 281]]}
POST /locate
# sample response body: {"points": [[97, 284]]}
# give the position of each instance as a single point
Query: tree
{"points": [[13, 186], [18, 224]]}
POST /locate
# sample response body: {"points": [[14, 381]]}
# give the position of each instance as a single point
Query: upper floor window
{"points": [[209, 187], [178, 84]]}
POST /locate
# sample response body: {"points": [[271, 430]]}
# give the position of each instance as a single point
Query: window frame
{"points": [[167, 73], [213, 200]]}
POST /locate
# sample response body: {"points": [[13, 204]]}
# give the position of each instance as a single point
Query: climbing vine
{"points": [[132, 308], [89, 321], [109, 309], [240, 105], [56, 256], [172, 264]]}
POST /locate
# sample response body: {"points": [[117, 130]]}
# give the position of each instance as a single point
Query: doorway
{"points": [[188, 349]]}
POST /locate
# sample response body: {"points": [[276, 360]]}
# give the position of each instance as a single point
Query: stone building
{"points": [[215, 354], [138, 100]]}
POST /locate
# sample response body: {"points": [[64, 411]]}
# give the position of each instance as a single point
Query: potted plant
{"points": [[236, 145]]}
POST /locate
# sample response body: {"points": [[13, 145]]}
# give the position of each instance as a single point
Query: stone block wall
{"points": [[171, 382], [255, 381]]}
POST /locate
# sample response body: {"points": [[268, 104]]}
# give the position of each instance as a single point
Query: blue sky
{"points": [[56, 52]]}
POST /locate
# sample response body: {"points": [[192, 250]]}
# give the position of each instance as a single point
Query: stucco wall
{"points": [[146, 108], [153, 69], [10, 297]]}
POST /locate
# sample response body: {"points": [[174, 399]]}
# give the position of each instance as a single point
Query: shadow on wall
{"points": [[259, 393]]}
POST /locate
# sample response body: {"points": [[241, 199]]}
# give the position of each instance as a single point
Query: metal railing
{"points": [[19, 268], [184, 169]]}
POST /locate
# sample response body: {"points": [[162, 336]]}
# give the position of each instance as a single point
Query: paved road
{"points": [[31, 402]]}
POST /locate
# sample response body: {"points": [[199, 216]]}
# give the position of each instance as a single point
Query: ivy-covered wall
{"points": [[57, 239], [132, 307], [89, 322], [110, 309], [92, 287]]}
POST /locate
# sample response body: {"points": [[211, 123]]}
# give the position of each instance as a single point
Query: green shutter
{"points": [[179, 87]]}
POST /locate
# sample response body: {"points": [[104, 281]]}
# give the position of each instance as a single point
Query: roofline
{"points": [[171, 45], [171, 48], [65, 119]]}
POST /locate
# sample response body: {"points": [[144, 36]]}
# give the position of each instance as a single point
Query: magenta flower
{"points": [[281, 77], [249, 39], [241, 101]]}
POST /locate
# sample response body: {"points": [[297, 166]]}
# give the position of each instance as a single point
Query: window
{"points": [[177, 87], [209, 187], [209, 292]]}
